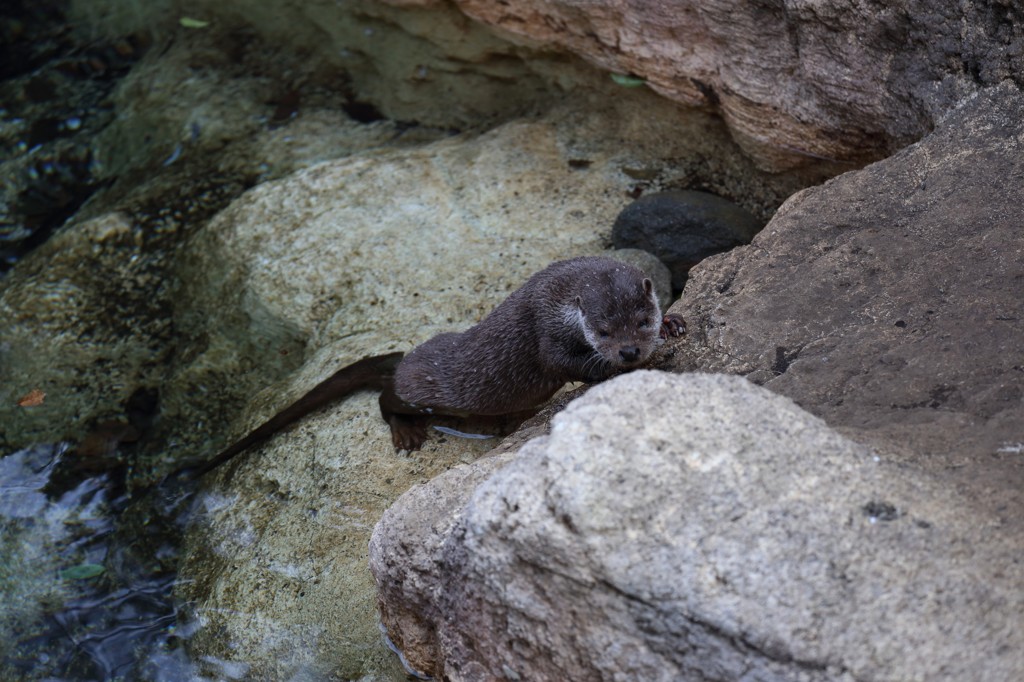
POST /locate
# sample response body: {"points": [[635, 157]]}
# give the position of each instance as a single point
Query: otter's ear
{"points": [[648, 286], [579, 303]]}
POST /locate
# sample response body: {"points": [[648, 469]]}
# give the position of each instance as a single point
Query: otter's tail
{"points": [[368, 373]]}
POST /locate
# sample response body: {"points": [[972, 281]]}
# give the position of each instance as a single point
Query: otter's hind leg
{"points": [[408, 423], [407, 432]]}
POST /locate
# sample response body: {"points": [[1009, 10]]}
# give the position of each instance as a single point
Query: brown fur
{"points": [[546, 333], [583, 319]]}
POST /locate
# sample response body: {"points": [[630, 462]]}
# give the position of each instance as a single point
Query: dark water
{"points": [[54, 97], [88, 566], [90, 573]]}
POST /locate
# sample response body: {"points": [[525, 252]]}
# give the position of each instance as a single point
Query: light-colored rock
{"points": [[232, 312], [367, 255], [697, 527]]}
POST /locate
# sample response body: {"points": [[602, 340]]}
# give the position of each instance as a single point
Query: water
{"points": [[87, 567], [55, 98], [89, 573]]}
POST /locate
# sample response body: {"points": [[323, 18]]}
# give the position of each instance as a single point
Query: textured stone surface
{"points": [[794, 80], [64, 329], [682, 228], [727, 535], [232, 312], [365, 255], [889, 301], [304, 255]]}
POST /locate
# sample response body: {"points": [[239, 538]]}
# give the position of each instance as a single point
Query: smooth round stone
{"points": [[683, 227]]}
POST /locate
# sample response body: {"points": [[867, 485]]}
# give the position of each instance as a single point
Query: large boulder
{"points": [[364, 255], [697, 527], [888, 301]]}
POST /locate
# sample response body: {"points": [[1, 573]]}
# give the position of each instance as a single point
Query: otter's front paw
{"points": [[672, 325]]}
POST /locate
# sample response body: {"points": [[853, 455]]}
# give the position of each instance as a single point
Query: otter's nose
{"points": [[629, 354]]}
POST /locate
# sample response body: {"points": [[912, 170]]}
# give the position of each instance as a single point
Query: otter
{"points": [[584, 319]]}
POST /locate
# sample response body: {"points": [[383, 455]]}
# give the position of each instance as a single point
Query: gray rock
{"points": [[727, 535], [682, 228], [889, 301]]}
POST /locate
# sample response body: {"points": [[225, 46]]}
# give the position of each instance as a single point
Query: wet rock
{"points": [[682, 228], [726, 535], [794, 82], [81, 320]]}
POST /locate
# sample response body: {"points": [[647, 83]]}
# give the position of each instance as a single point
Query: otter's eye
{"points": [[603, 333], [645, 323]]}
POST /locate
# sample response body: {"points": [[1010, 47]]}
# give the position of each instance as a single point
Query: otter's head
{"points": [[620, 318]]}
